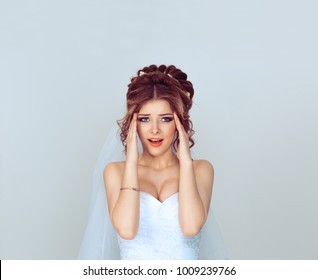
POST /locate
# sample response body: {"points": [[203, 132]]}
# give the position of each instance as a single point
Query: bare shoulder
{"points": [[204, 176], [114, 168], [203, 167], [112, 182], [113, 174]]}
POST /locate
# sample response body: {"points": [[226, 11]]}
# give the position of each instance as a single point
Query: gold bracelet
{"points": [[133, 189]]}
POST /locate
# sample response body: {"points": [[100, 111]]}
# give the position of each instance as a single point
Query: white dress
{"points": [[159, 234]]}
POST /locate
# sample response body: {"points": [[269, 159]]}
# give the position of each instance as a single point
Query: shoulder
{"points": [[112, 182], [116, 165], [112, 178], [204, 173], [203, 167], [204, 176], [114, 168]]}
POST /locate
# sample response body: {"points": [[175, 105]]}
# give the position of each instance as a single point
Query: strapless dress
{"points": [[159, 234]]}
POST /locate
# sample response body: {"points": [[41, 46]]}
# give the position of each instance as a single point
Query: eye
{"points": [[143, 119], [167, 119]]}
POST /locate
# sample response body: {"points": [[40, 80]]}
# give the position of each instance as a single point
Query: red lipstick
{"points": [[155, 142]]}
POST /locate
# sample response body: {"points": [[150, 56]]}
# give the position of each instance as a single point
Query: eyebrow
{"points": [[166, 114]]}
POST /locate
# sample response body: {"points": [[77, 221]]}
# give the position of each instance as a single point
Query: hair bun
{"points": [[172, 72]]}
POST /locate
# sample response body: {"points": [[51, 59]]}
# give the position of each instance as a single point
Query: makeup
{"points": [[155, 142]]}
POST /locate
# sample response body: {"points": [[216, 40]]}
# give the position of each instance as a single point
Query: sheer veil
{"points": [[100, 238]]}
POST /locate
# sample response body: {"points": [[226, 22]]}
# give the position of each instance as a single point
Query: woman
{"points": [[158, 198]]}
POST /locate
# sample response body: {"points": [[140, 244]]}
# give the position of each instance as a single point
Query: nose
{"points": [[154, 128]]}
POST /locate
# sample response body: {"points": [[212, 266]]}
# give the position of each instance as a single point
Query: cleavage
{"points": [[160, 184], [159, 192]]}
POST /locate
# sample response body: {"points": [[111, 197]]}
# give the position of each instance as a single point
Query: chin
{"points": [[156, 151]]}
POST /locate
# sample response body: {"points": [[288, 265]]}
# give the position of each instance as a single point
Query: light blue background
{"points": [[64, 70]]}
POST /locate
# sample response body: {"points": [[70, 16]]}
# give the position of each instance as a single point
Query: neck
{"points": [[158, 162]]}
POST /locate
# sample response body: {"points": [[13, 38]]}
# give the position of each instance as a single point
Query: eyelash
{"points": [[164, 119], [143, 119], [168, 119]]}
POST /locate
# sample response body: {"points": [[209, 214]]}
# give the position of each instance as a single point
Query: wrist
{"points": [[186, 162], [131, 162]]}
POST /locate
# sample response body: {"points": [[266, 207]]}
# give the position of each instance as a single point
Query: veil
{"points": [[100, 238]]}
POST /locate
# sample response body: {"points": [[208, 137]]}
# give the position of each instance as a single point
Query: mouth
{"points": [[155, 142]]}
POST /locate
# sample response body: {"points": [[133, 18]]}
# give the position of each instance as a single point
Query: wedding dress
{"points": [[159, 234]]}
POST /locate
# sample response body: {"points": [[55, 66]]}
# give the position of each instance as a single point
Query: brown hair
{"points": [[163, 82]]}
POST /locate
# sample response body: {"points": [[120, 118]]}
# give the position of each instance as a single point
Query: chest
{"points": [[159, 183]]}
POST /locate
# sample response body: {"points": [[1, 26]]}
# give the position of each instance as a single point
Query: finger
{"points": [[129, 131], [134, 126], [131, 128], [177, 121], [179, 125]]}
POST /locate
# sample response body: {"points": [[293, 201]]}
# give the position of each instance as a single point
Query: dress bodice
{"points": [[159, 233]]}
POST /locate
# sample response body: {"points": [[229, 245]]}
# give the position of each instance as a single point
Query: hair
{"points": [[165, 83]]}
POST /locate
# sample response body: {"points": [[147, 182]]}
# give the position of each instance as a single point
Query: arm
{"points": [[195, 191], [195, 186], [122, 189]]}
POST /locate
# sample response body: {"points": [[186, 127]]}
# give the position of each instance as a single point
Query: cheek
{"points": [[172, 130], [141, 130]]}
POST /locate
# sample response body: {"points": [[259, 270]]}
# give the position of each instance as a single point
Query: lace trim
{"points": [[165, 245]]}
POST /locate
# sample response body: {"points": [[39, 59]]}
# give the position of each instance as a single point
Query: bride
{"points": [[157, 196]]}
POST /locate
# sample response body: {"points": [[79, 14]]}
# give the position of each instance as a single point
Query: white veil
{"points": [[100, 238]]}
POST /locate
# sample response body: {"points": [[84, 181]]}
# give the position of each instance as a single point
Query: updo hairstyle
{"points": [[164, 82]]}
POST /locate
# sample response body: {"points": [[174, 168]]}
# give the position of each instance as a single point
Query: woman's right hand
{"points": [[131, 141]]}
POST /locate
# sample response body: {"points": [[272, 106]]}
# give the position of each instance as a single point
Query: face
{"points": [[156, 127]]}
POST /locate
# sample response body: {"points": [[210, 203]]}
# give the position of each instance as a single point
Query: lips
{"points": [[155, 142]]}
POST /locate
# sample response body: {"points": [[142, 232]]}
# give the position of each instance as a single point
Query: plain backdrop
{"points": [[64, 70]]}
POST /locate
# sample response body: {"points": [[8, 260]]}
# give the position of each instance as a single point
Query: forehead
{"points": [[157, 106]]}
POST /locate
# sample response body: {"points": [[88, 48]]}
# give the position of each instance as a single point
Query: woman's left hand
{"points": [[183, 149]]}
